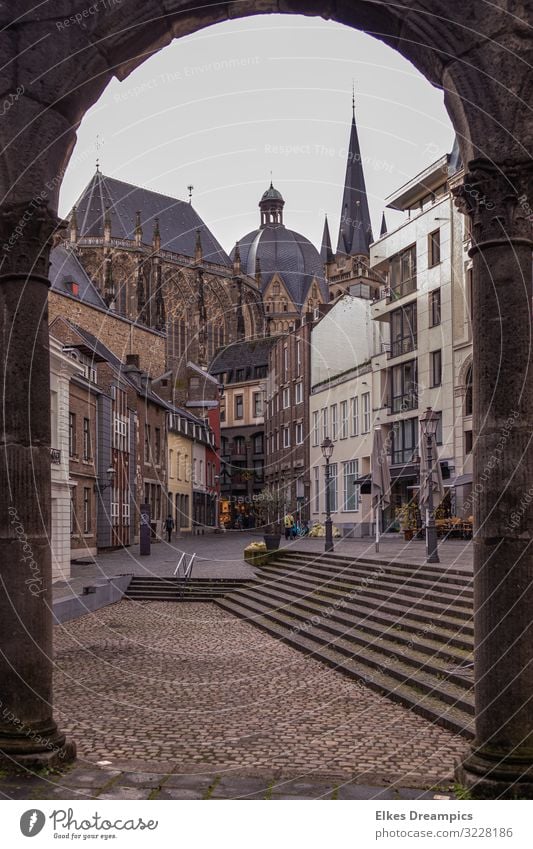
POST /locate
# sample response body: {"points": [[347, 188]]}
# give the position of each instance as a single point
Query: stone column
{"points": [[499, 200], [28, 734]]}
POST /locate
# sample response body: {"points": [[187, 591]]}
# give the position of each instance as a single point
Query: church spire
{"points": [[355, 231], [326, 252], [383, 231]]}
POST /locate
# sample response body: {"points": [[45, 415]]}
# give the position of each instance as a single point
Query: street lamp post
{"points": [[429, 423], [327, 451]]}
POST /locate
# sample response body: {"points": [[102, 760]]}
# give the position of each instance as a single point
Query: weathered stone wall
{"points": [[118, 334]]}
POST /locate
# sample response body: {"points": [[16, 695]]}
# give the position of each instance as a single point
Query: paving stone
{"points": [[200, 781], [140, 779], [83, 777], [119, 792], [179, 793], [361, 791], [233, 788]]}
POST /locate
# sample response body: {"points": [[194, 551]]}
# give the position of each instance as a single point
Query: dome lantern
{"points": [[271, 206]]}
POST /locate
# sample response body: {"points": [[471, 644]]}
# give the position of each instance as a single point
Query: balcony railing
{"points": [[403, 346], [55, 456], [400, 290], [401, 403]]}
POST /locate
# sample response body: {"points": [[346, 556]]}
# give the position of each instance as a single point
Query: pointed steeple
{"points": [[73, 226], [326, 251], [383, 231], [355, 231]]}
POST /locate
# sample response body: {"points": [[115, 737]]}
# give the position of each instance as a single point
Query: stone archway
{"points": [[54, 70]]}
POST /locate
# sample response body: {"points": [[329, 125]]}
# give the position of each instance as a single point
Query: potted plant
{"points": [[269, 509], [406, 515]]}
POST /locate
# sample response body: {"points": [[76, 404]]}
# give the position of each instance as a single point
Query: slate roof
{"points": [[286, 252], [65, 268], [103, 352], [355, 230], [178, 220], [246, 354]]}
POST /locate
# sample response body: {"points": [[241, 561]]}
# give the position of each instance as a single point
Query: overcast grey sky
{"points": [[224, 107]]}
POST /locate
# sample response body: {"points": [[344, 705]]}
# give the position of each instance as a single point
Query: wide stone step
{"points": [[335, 588], [417, 578], [455, 631], [378, 647], [444, 704], [176, 589], [427, 638], [435, 571], [450, 594]]}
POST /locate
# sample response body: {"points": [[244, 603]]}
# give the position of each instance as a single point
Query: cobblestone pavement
{"points": [[187, 688]]}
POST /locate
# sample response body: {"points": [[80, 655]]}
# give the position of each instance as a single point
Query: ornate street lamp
{"points": [[327, 451], [429, 422]]}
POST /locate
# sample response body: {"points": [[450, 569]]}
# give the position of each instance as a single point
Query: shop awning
{"points": [[461, 480]]}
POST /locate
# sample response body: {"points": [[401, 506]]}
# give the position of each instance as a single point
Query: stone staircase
{"points": [[405, 631], [177, 589]]}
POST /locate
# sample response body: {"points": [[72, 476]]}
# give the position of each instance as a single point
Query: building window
{"points": [[86, 510], [239, 408], [468, 442], [404, 440], [366, 412], [299, 433], [298, 357], [403, 330], [351, 490], [146, 443], [73, 510], [333, 487], [286, 437], [298, 393], [355, 416], [344, 419], [258, 404], [438, 433], [324, 422], [468, 393], [404, 389], [434, 308], [86, 439], [316, 488], [316, 427], [402, 273], [71, 434], [285, 361], [333, 409], [194, 478], [435, 368], [258, 443], [434, 248], [259, 470], [286, 398], [170, 463], [158, 445]]}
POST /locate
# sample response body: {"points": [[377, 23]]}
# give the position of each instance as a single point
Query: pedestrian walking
{"points": [[169, 527]]}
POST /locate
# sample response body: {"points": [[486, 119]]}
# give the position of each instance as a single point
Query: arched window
{"points": [[468, 393]]}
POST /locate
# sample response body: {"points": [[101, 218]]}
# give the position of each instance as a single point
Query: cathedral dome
{"points": [[274, 249]]}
